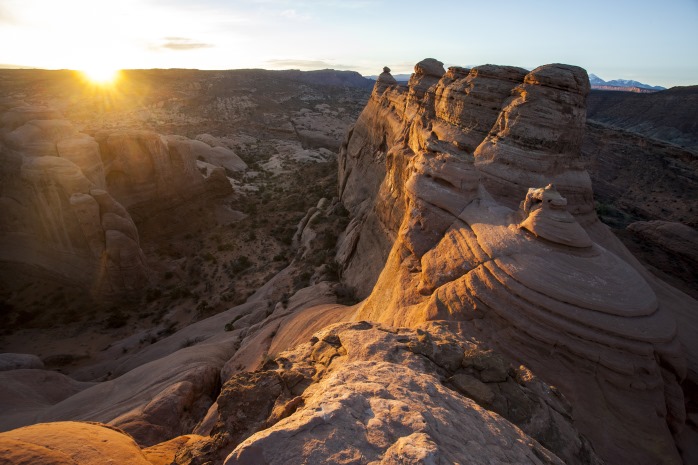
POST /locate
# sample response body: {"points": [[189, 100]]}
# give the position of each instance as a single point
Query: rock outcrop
{"points": [[147, 172], [70, 202], [366, 393], [57, 215], [442, 167], [69, 443]]}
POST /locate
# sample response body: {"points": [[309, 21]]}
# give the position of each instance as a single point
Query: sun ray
{"points": [[100, 74]]}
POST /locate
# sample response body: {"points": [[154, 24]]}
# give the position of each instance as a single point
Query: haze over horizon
{"points": [[629, 40]]}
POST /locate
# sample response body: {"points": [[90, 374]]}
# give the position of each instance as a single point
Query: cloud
{"points": [[183, 43], [294, 15], [306, 64]]}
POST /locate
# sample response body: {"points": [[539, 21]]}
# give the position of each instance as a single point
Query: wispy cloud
{"points": [[294, 15], [183, 43], [306, 64]]}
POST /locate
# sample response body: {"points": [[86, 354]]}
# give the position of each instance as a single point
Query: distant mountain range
{"points": [[398, 77], [621, 84], [595, 81]]}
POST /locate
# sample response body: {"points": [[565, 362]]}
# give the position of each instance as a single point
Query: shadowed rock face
{"points": [[551, 287], [57, 215], [68, 200]]}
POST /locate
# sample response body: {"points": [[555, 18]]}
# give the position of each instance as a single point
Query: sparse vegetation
{"points": [[201, 264]]}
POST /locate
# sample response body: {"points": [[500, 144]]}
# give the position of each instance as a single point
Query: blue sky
{"points": [[653, 42]]}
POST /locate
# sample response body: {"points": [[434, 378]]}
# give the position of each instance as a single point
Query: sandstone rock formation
{"points": [[215, 153], [69, 200], [442, 167], [366, 393], [548, 218], [470, 206], [56, 215], [147, 172], [68, 443]]}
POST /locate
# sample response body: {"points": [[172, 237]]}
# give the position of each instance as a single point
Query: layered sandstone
{"points": [[71, 202], [550, 286], [57, 215]]}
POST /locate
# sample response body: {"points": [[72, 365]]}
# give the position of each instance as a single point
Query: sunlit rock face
{"points": [[368, 393], [447, 181], [68, 443]]}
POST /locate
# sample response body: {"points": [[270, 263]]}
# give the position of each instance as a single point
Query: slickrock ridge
{"points": [[360, 392], [553, 288]]}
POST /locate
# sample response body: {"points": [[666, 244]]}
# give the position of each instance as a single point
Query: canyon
{"points": [[445, 289]]}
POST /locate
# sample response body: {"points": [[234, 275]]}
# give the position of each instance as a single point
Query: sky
{"points": [[650, 41]]}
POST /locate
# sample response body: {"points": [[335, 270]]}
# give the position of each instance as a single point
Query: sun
{"points": [[101, 75]]}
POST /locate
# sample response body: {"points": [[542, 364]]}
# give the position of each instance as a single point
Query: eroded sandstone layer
{"points": [[70, 202], [443, 167]]}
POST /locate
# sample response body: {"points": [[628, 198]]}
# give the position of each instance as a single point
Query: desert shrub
{"points": [[190, 341], [346, 295], [302, 280], [180, 293], [168, 330], [240, 263], [116, 320], [230, 325]]}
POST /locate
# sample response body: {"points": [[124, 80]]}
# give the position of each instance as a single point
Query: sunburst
{"points": [[101, 75]]}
